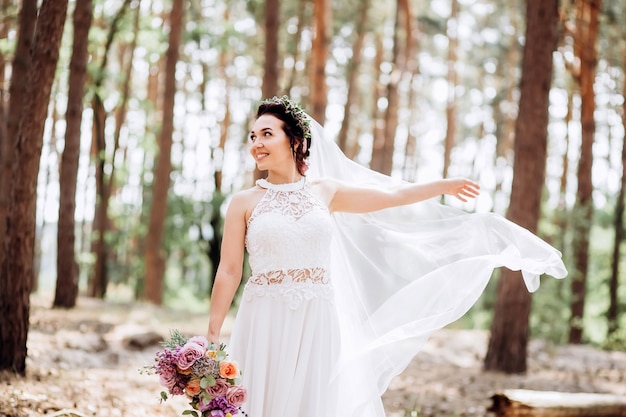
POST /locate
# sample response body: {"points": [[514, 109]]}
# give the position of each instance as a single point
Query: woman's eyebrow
{"points": [[262, 130]]}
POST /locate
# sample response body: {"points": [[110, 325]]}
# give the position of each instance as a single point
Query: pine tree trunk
{"points": [[384, 144], [270, 73], [613, 311], [67, 268], [318, 90], [295, 53], [155, 259], [585, 46], [17, 91], [101, 224], [16, 267], [5, 144], [353, 73], [453, 42], [507, 349]]}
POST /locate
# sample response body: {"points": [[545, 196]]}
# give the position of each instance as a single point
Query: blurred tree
{"points": [[16, 267], [453, 44], [385, 133], [318, 88], [585, 33], [155, 259], [507, 348], [67, 268], [272, 24], [352, 74], [101, 223], [612, 314]]}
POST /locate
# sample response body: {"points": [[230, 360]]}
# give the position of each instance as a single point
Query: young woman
{"points": [[349, 275]]}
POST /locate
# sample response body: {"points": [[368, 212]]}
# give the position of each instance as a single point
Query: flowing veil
{"points": [[400, 274]]}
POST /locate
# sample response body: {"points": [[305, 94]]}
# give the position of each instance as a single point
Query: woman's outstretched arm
{"points": [[352, 199]]}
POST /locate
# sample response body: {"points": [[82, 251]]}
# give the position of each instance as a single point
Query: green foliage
{"points": [[616, 340], [176, 339]]}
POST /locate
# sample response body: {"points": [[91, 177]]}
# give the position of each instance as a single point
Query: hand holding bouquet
{"points": [[202, 371]]}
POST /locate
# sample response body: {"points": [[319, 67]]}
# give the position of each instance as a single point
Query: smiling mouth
{"points": [[260, 156]]}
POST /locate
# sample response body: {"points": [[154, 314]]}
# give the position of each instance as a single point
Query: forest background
{"points": [[124, 125]]}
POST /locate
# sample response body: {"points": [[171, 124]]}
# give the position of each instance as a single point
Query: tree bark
{"points": [[302, 7], [526, 403], [17, 91], [270, 73], [155, 258], [507, 349], [384, 142], [353, 73], [318, 90], [16, 267], [453, 42], [98, 283], [613, 310], [67, 268], [585, 48]]}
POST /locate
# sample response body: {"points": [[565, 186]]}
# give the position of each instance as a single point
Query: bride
{"points": [[351, 270]]}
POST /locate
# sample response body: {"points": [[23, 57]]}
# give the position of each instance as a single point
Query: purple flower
{"points": [[217, 413], [188, 355], [218, 403]]}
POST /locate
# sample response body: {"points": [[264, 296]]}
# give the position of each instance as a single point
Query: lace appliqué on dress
{"points": [[292, 285], [288, 240], [293, 204]]}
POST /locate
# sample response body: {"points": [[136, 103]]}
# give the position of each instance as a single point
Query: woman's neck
{"points": [[283, 177]]}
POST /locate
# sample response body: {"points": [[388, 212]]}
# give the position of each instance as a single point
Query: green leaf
{"points": [[163, 396], [207, 381], [190, 413]]}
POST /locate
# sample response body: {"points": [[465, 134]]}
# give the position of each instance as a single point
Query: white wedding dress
{"points": [[286, 336], [337, 305]]}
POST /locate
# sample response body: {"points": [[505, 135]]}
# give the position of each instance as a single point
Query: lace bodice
{"points": [[288, 241]]}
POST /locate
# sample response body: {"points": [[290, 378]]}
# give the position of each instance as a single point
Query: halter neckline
{"points": [[290, 186]]}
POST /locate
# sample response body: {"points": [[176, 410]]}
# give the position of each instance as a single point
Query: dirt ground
{"points": [[81, 363]]}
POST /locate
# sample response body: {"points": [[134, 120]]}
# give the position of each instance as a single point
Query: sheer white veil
{"points": [[401, 274]]}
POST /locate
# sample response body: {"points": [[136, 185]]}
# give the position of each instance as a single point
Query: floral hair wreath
{"points": [[300, 116]]}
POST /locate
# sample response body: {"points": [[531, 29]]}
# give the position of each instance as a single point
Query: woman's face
{"points": [[270, 144]]}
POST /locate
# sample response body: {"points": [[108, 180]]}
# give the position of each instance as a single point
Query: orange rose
{"points": [[228, 370], [193, 387], [183, 371]]}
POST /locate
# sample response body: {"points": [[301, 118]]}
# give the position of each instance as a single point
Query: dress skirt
{"points": [[286, 342]]}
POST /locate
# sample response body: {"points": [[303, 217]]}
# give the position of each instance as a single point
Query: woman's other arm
{"points": [[228, 275]]}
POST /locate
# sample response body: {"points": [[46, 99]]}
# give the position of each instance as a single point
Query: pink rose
{"points": [[236, 395], [188, 355], [199, 340], [219, 389]]}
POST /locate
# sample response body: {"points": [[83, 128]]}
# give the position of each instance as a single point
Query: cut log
{"points": [[525, 403]]}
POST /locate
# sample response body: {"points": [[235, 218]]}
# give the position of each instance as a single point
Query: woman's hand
{"points": [[462, 188], [213, 338]]}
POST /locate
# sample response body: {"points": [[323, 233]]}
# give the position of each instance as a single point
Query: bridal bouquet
{"points": [[200, 370]]}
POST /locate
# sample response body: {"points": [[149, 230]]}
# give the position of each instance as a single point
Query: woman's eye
{"points": [[267, 134]]}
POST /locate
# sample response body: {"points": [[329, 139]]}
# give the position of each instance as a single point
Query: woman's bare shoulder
{"points": [[245, 201]]}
